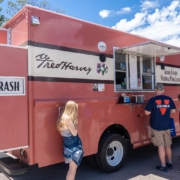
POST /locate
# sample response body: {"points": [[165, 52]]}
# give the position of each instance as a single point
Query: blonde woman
{"points": [[67, 126]]}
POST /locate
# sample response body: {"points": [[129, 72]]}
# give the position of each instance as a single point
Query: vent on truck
{"points": [[11, 166]]}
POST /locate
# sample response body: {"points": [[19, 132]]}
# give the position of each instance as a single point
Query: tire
{"points": [[112, 153]]}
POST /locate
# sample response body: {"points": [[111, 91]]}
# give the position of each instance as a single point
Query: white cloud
{"points": [[173, 5], [149, 5], [104, 13], [174, 41], [161, 24], [130, 25], [107, 13], [124, 10]]}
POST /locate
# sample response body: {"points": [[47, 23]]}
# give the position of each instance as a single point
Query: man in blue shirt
{"points": [[160, 107]]}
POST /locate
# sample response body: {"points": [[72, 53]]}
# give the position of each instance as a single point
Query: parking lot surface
{"points": [[140, 165]]}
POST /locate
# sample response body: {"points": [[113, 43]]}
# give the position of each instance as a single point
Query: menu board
{"points": [[133, 72]]}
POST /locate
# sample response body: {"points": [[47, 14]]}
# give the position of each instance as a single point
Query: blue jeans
{"points": [[73, 149]]}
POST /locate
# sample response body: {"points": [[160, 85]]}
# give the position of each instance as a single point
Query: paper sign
{"points": [[133, 72]]}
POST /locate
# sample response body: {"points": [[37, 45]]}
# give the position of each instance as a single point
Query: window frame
{"points": [[152, 74]]}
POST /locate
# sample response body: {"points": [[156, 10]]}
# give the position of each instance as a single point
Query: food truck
{"points": [[48, 58]]}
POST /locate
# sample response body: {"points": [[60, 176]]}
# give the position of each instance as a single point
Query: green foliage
{"points": [[14, 7], [2, 17]]}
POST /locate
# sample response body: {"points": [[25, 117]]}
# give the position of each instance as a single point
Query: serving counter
{"points": [[131, 105]]}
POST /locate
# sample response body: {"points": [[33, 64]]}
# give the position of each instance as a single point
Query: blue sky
{"points": [[155, 19]]}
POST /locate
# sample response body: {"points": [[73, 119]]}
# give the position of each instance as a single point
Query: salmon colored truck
{"points": [[48, 58]]}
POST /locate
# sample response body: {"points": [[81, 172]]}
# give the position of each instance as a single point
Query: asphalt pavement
{"points": [[140, 165]]}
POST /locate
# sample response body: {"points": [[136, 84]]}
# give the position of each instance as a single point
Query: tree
{"points": [[14, 7], [2, 17]]}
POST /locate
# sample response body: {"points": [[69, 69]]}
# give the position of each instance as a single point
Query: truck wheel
{"points": [[112, 152]]}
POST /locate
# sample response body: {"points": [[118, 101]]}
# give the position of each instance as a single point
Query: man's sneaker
{"points": [[169, 165], [163, 169]]}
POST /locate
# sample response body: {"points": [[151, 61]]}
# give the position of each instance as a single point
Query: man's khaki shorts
{"points": [[161, 138]]}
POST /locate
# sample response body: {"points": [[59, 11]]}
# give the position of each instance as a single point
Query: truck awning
{"points": [[150, 48]]}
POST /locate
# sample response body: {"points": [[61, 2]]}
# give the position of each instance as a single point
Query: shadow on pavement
{"points": [[141, 163]]}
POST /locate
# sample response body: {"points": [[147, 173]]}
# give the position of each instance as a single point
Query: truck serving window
{"points": [[135, 73], [135, 65]]}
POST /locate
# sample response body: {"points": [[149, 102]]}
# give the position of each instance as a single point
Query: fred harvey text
{"points": [[46, 62]]}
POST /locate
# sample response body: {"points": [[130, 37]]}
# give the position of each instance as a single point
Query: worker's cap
{"points": [[159, 87]]}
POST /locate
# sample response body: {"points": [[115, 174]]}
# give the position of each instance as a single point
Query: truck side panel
{"points": [[13, 108], [64, 31], [3, 36], [18, 26]]}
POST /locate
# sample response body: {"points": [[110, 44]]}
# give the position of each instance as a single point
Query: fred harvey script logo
{"points": [[46, 62]]}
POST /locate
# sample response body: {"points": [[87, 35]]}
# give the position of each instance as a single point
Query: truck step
{"points": [[11, 166]]}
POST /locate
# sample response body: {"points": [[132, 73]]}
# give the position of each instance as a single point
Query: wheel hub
{"points": [[114, 153], [110, 151]]}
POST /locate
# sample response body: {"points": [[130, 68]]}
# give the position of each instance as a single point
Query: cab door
{"points": [[13, 98]]}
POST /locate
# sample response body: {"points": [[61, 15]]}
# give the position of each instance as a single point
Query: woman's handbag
{"points": [[172, 128]]}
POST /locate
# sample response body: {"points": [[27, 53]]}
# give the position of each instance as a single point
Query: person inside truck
{"points": [[159, 108], [67, 126]]}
